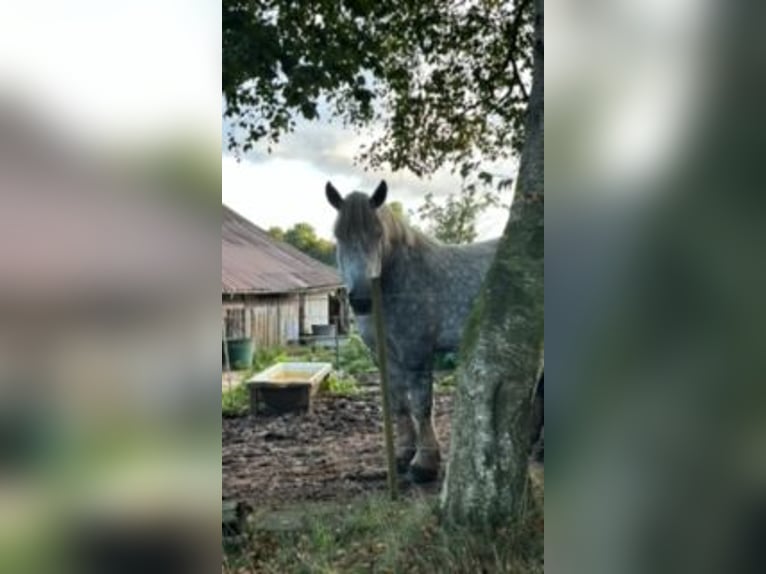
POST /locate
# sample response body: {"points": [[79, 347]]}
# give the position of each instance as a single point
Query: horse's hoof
{"points": [[421, 474]]}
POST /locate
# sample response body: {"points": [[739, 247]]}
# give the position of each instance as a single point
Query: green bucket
{"points": [[240, 353]]}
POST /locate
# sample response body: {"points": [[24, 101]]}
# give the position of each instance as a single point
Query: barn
{"points": [[273, 293]]}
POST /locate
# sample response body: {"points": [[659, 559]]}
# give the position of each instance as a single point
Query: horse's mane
{"points": [[357, 221], [397, 232]]}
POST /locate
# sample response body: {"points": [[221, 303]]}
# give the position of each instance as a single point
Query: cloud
{"points": [[325, 150]]}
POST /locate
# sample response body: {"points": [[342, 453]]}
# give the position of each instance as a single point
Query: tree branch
{"points": [[511, 59]]}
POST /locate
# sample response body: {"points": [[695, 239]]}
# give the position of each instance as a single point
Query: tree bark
{"points": [[487, 483]]}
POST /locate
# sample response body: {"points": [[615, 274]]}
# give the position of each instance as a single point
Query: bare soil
{"points": [[334, 453]]}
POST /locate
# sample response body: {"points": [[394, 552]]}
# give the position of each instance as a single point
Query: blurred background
{"points": [[109, 264], [654, 286]]}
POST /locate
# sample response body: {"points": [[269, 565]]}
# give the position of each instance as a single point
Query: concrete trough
{"points": [[286, 387]]}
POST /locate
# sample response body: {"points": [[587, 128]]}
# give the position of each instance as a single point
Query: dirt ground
{"points": [[334, 453]]}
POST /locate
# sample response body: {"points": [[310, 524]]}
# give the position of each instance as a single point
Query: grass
{"points": [[377, 535], [235, 401], [445, 383], [354, 358], [340, 385], [264, 358]]}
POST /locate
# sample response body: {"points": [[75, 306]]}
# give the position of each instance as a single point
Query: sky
{"points": [[287, 186]]}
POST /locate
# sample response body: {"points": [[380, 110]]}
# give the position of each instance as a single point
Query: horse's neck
{"points": [[406, 259]]}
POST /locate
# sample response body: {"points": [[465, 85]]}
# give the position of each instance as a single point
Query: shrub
{"points": [[265, 357], [355, 357]]}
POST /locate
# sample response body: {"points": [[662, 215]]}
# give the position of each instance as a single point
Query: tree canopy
{"points": [[397, 209], [454, 220], [447, 79], [303, 237]]}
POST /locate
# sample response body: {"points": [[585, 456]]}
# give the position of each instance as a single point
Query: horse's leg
{"points": [[400, 407], [405, 441], [425, 466]]}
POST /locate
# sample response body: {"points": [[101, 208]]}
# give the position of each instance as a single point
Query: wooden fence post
{"points": [[380, 344]]}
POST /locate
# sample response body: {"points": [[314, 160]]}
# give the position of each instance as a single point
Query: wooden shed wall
{"points": [[273, 320], [270, 320]]}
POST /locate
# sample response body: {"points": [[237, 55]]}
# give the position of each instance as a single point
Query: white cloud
{"points": [[281, 192], [317, 152]]}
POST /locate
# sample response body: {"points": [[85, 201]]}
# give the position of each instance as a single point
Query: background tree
{"points": [[447, 81], [398, 209], [454, 220], [277, 233], [303, 237]]}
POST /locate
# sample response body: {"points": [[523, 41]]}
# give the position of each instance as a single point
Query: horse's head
{"points": [[360, 236]]}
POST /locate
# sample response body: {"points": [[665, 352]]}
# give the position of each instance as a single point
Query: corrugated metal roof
{"points": [[254, 262]]}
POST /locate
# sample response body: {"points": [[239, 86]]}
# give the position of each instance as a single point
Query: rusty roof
{"points": [[254, 262]]}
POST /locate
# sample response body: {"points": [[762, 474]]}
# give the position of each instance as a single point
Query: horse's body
{"points": [[428, 290]]}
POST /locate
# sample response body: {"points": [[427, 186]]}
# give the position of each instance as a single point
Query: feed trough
{"points": [[286, 387]]}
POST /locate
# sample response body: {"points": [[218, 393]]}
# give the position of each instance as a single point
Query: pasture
{"points": [[314, 484]]}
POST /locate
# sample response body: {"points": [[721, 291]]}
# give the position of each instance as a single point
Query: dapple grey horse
{"points": [[428, 289]]}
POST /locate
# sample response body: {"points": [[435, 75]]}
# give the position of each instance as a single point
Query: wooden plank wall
{"points": [[273, 320]]}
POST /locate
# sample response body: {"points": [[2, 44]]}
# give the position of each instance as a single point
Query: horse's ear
{"points": [[333, 196], [379, 196]]}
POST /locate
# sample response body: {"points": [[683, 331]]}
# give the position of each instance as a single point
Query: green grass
{"points": [[340, 385], [445, 383], [377, 535], [354, 357], [264, 358], [235, 401]]}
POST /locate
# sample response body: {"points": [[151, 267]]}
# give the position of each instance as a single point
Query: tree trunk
{"points": [[487, 483]]}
